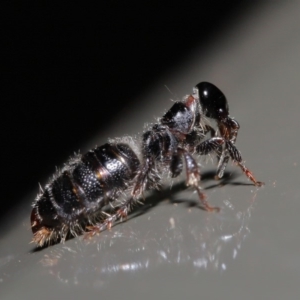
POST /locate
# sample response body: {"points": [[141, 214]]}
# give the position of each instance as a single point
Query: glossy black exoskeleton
{"points": [[214, 105], [120, 171], [75, 195]]}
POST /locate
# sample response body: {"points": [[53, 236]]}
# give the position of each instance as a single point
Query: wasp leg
{"points": [[193, 178], [122, 211], [229, 151]]}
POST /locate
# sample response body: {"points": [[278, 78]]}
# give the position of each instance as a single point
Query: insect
{"points": [[120, 171]]}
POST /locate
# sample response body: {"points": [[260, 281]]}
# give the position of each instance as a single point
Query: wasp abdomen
{"points": [[89, 189], [82, 189], [115, 166]]}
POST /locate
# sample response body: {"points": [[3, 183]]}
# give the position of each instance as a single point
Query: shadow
{"points": [[227, 179], [175, 238], [170, 236], [155, 197]]}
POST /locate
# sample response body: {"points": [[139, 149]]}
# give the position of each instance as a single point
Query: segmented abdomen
{"points": [[84, 186]]}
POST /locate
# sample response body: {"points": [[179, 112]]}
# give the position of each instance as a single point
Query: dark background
{"points": [[68, 71]]}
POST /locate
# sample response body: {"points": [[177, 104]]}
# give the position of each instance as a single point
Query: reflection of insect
{"points": [[73, 201]]}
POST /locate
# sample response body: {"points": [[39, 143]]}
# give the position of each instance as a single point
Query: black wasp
{"points": [[118, 172]]}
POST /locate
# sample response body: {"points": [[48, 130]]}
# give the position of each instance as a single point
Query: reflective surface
{"points": [[169, 248], [168, 231]]}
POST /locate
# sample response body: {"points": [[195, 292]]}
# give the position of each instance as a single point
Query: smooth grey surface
{"points": [[250, 250]]}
